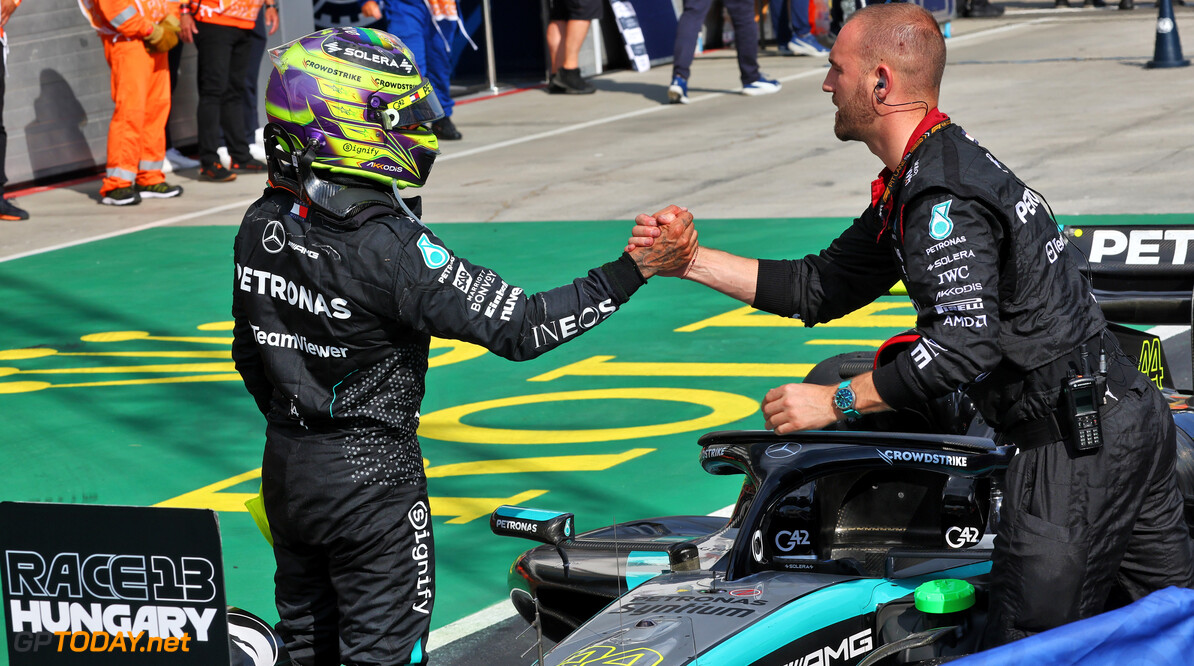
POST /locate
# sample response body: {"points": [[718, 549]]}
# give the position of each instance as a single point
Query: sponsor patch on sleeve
{"points": [[940, 226], [433, 255]]}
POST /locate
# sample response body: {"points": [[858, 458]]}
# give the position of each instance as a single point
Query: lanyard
{"points": [[899, 170]]}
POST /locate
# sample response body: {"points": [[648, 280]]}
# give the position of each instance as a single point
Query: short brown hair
{"points": [[908, 39]]}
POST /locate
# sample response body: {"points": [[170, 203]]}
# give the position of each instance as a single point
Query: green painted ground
{"points": [[116, 388]]}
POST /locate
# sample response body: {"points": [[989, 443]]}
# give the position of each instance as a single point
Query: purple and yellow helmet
{"points": [[355, 97]]}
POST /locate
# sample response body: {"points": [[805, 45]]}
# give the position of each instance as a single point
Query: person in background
{"points": [[340, 376], [567, 27], [137, 36], [8, 210], [984, 9], [174, 157], [418, 24], [746, 42], [793, 30], [222, 30], [257, 43], [1004, 313]]}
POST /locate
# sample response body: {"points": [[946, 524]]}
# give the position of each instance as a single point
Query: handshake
{"points": [[164, 36], [664, 243]]}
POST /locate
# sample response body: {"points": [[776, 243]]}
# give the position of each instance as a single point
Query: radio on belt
{"points": [[1083, 394]]}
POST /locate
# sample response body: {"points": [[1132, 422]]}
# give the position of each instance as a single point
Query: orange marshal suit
{"points": [[140, 89]]}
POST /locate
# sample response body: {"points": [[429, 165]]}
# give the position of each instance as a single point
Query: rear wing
{"points": [[1140, 275]]}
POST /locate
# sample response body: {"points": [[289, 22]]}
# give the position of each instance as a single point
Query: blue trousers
{"points": [[410, 21], [789, 18], [746, 37]]}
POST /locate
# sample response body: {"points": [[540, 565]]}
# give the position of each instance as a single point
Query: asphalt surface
{"points": [[1062, 97]]}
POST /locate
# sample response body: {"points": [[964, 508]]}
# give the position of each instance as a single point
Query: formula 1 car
{"points": [[868, 544]]}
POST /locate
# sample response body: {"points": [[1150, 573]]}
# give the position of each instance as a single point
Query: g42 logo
{"points": [[1150, 361], [961, 537], [786, 540], [608, 655]]}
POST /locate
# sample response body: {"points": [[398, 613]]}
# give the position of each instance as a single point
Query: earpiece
{"points": [[881, 84]]}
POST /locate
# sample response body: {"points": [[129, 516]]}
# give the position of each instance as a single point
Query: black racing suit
{"points": [[1003, 312], [333, 322]]}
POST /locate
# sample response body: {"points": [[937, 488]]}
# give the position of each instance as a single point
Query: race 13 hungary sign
{"points": [[94, 585]]}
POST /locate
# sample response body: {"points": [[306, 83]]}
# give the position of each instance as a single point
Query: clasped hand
{"points": [[672, 246]]}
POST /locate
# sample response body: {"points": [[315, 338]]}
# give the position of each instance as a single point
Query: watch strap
{"points": [[844, 399]]}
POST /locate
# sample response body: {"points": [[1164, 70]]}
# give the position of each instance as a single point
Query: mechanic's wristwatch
{"points": [[843, 399]]}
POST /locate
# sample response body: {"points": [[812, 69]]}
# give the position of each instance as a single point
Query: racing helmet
{"points": [[352, 102]]}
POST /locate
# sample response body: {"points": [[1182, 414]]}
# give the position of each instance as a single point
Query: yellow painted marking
{"points": [[124, 369], [234, 377], [155, 354], [865, 317], [22, 354], [41, 352], [446, 424], [465, 509], [868, 316], [125, 336], [460, 509], [739, 317], [23, 387], [852, 343], [29, 387], [590, 463], [210, 497], [602, 366], [457, 351]]}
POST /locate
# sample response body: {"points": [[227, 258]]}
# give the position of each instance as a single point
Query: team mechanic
{"points": [[338, 289], [1002, 311]]}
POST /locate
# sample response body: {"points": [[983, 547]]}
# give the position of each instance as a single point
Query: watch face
{"points": [[843, 399]]}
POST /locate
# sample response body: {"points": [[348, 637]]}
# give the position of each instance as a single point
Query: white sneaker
{"points": [[257, 148], [764, 86], [225, 158], [176, 160], [677, 93], [808, 44]]}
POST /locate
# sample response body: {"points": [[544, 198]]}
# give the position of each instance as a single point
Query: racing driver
{"points": [[1003, 312], [338, 290]]}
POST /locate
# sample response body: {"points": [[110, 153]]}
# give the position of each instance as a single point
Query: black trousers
{"points": [[3, 132], [356, 573], [1079, 529], [257, 43], [746, 37], [223, 61]]}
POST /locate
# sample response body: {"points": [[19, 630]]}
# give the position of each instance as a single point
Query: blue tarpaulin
{"points": [[1157, 630]]}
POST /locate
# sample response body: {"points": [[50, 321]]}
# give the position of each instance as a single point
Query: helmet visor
{"points": [[415, 108]]}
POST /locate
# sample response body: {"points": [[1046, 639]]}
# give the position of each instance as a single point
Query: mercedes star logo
{"points": [[785, 450], [274, 238]]}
